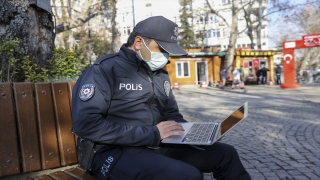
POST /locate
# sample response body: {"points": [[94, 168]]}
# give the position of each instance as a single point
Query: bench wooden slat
{"points": [[27, 126], [59, 175], [79, 174], [47, 127], [43, 177], [70, 88], [9, 156], [63, 120]]}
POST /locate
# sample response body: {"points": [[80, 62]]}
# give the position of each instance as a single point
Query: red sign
{"points": [[311, 40], [289, 70]]}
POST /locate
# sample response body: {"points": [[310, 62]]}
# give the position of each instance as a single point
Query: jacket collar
{"points": [[132, 57]]}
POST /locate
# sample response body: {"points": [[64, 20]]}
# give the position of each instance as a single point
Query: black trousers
{"points": [[278, 79], [171, 162]]}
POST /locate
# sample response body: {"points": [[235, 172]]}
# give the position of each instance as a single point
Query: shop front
{"points": [[198, 67], [252, 61], [195, 68]]}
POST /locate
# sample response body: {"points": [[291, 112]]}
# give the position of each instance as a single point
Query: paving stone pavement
{"points": [[280, 139]]}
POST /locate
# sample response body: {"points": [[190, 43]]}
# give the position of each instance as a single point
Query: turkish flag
{"points": [[255, 63], [245, 64]]}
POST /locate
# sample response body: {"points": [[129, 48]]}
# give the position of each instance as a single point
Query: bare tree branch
{"points": [[217, 13]]}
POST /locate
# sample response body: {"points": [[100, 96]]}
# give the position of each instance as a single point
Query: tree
{"points": [[186, 34], [202, 18], [233, 32], [304, 18], [233, 37], [33, 26], [90, 16]]}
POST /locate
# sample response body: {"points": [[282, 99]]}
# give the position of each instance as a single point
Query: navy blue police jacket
{"points": [[119, 101]]}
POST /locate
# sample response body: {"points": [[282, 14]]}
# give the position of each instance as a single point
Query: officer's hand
{"points": [[169, 128]]}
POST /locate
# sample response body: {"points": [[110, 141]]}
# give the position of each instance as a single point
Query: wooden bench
{"points": [[35, 132]]}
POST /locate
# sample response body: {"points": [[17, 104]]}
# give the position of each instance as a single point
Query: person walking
{"points": [[258, 75], [123, 106], [223, 78], [242, 77], [278, 74], [264, 73], [236, 78]]}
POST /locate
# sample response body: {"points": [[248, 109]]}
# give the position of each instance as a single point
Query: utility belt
{"points": [[86, 150]]}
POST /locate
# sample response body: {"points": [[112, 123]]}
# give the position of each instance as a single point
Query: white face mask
{"points": [[157, 61]]}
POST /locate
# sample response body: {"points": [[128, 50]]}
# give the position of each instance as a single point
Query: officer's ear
{"points": [[138, 43]]}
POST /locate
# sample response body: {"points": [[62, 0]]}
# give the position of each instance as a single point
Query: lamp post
{"points": [[133, 18]]}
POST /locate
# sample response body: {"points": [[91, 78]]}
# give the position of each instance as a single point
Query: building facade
{"points": [[216, 32]]}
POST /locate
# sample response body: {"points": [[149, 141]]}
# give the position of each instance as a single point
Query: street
{"points": [[280, 139]]}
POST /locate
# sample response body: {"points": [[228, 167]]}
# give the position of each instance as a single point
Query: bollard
{"points": [[270, 83], [176, 86], [203, 85]]}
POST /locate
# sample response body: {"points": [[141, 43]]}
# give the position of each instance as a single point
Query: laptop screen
{"points": [[233, 119]]}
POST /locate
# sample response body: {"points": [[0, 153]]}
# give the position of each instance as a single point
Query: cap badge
{"points": [[86, 92], [166, 87], [176, 30]]}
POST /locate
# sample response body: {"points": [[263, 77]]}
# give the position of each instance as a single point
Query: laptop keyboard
{"points": [[200, 132]]}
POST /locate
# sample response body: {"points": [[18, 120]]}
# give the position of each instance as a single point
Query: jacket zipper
{"points": [[152, 96]]}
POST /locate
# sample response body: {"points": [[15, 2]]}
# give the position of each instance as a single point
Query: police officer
{"points": [[125, 106]]}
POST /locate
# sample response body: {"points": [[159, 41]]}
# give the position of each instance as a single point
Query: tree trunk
{"points": [[113, 48], [249, 23], [22, 19], [233, 37], [259, 27], [304, 61]]}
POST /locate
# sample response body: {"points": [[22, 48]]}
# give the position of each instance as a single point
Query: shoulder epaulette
{"points": [[105, 57]]}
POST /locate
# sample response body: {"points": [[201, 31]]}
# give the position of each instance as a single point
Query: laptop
{"points": [[207, 133]]}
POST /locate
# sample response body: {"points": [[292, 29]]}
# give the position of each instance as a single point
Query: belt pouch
{"points": [[85, 151]]}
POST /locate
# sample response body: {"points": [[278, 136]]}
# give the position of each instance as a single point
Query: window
{"points": [[206, 19], [226, 1], [126, 31], [213, 33], [215, 19], [209, 34], [182, 69], [218, 32]]}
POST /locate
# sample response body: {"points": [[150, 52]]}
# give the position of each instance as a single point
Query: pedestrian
{"points": [[264, 73], [223, 78], [236, 78], [123, 106], [305, 76], [258, 75], [278, 75], [242, 77]]}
